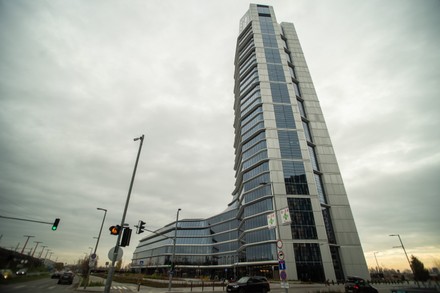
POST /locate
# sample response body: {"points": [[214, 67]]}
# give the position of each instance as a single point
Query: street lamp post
{"points": [[41, 253], [404, 250], [111, 270], [277, 226], [377, 264], [28, 236], [38, 242], [96, 246], [174, 252]]}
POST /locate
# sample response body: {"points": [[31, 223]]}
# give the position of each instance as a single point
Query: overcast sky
{"points": [[80, 79]]}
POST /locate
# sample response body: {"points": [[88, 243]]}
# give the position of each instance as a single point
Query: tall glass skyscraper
{"points": [[289, 202]]}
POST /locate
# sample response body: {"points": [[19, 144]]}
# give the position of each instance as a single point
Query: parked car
{"points": [[66, 278], [21, 272], [358, 285], [250, 285]]}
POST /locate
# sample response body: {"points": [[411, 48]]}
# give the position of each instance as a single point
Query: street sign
{"points": [[285, 216], [118, 257], [93, 256], [282, 265], [271, 221], [280, 255], [280, 244], [283, 275]]}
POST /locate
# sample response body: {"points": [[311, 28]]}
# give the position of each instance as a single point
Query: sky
{"points": [[79, 80]]}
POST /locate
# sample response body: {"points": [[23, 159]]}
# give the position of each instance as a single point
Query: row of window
{"points": [[253, 131], [254, 149], [257, 181], [255, 194], [259, 236], [255, 171], [251, 116], [258, 207], [262, 155]]}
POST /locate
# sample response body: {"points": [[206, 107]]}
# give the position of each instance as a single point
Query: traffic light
{"points": [[126, 235], [55, 224], [140, 227], [114, 230]]}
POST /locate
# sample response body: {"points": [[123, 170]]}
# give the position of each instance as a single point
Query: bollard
{"points": [[203, 285], [212, 285], [139, 286], [191, 286]]}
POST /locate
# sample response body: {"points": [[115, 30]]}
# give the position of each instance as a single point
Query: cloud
{"points": [[79, 82]]}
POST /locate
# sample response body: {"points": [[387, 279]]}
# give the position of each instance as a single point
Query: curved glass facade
{"points": [[284, 163]]}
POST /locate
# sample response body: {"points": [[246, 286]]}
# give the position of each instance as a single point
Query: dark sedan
{"points": [[66, 278], [358, 285], [249, 285]]}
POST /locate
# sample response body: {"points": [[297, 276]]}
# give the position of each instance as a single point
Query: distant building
{"points": [[284, 162]]}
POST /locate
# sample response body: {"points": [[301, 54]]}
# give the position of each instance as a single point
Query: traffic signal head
{"points": [[140, 227], [55, 224], [126, 235], [114, 230]]}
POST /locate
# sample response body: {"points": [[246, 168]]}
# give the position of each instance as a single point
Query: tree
{"points": [[119, 265], [420, 273]]}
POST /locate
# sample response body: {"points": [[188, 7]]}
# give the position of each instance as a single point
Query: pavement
{"points": [[275, 288]]}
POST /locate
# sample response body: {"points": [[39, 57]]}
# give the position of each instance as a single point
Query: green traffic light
{"points": [[55, 224]]}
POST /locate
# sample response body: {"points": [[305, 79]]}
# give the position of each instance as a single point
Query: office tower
{"points": [[289, 216]]}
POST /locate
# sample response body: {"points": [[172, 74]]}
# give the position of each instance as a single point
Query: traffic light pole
{"points": [[111, 270]]}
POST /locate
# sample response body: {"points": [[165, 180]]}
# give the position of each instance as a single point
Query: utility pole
{"points": [[111, 269]]}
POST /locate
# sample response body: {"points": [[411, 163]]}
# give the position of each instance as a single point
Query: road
{"points": [[51, 286]]}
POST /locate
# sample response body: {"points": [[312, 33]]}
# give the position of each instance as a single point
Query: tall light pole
{"points": [[277, 226], [28, 236], [403, 247], [41, 253], [100, 230], [96, 247], [38, 242], [111, 270], [377, 264], [170, 281], [278, 233]]}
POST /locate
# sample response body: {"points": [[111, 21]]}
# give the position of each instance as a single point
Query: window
{"points": [[284, 116], [280, 94], [272, 55], [289, 144], [303, 221], [296, 88], [276, 72], [313, 159], [307, 131], [295, 177]]}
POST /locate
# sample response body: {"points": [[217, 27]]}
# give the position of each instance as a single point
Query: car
{"points": [[254, 284], [55, 275], [66, 278], [6, 274], [358, 285], [21, 272]]}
